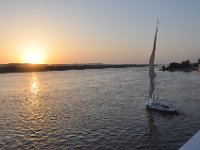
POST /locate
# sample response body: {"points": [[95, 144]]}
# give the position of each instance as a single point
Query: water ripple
{"points": [[95, 109]]}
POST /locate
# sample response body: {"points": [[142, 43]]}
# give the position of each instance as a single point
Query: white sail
{"points": [[152, 73]]}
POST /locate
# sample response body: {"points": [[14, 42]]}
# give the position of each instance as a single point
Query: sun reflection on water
{"points": [[34, 85], [34, 90], [34, 103]]}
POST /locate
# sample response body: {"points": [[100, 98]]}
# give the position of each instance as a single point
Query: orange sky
{"points": [[97, 32]]}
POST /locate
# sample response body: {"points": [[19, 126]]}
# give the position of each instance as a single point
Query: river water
{"points": [[96, 109]]}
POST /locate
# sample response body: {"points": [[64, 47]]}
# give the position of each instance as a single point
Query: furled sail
{"points": [[152, 73]]}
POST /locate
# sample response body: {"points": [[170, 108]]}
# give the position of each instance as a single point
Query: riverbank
{"points": [[185, 66], [18, 67], [183, 70]]}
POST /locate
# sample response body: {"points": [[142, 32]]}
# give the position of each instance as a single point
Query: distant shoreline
{"points": [[18, 67], [184, 66], [181, 70]]}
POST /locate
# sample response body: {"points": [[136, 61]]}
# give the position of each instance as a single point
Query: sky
{"points": [[98, 31]]}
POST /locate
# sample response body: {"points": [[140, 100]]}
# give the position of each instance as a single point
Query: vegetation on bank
{"points": [[183, 66], [15, 67]]}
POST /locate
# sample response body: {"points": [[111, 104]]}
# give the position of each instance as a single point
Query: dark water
{"points": [[96, 109]]}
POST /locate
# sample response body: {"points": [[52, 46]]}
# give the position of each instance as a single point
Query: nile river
{"points": [[96, 110]]}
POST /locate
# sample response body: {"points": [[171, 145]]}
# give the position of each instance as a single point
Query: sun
{"points": [[33, 58], [33, 55]]}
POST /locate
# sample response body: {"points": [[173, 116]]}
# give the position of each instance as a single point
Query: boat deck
{"points": [[193, 143]]}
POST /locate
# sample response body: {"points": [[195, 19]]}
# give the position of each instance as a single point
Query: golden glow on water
{"points": [[34, 105], [34, 85], [34, 89]]}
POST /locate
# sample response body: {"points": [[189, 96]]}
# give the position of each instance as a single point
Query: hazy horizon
{"points": [[109, 32]]}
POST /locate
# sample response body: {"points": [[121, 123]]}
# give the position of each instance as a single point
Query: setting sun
{"points": [[33, 55], [34, 59]]}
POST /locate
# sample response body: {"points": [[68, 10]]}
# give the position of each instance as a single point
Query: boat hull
{"points": [[160, 106]]}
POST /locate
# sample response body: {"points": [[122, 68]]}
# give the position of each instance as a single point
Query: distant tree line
{"points": [[18, 67], [181, 66]]}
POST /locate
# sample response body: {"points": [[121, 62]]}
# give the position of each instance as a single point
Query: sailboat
{"points": [[152, 102]]}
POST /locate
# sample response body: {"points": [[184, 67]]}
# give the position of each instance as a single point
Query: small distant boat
{"points": [[151, 102], [160, 105]]}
